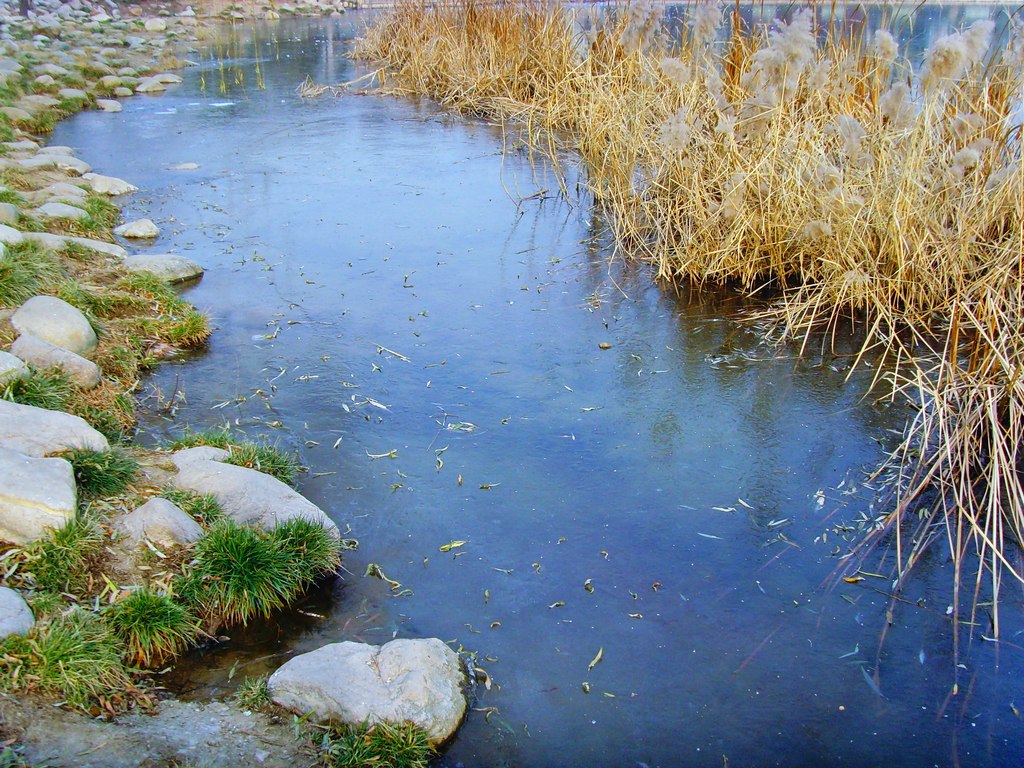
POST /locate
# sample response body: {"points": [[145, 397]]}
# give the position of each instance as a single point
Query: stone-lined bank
{"points": [[66, 271]]}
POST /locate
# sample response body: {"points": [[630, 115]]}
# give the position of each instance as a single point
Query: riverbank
{"points": [[58, 230]]}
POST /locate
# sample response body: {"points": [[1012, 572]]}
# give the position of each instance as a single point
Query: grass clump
{"points": [[381, 745], [266, 458], [216, 437], [74, 657], [203, 508], [239, 573], [253, 694], [63, 560], [151, 626], [50, 388], [26, 270], [101, 474]]}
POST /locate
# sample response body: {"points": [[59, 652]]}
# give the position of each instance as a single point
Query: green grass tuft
{"points": [[204, 508], [101, 474], [217, 437], [313, 551], [383, 745], [266, 458], [61, 560], [238, 573], [27, 269], [151, 626], [50, 388], [253, 694], [74, 657]]}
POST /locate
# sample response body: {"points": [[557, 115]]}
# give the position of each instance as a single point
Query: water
{"points": [[378, 285]]}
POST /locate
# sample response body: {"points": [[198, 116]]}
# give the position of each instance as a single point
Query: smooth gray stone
{"points": [[142, 229], [12, 368], [57, 322], [56, 210], [162, 522], [15, 616], [37, 494], [108, 185], [169, 267], [39, 431], [44, 354], [56, 242], [246, 495], [352, 683]]}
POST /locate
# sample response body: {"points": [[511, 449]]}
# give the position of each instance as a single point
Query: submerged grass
{"points": [[819, 166]]}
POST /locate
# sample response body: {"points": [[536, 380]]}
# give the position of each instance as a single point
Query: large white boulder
{"points": [[55, 321], [246, 495], [352, 683], [39, 431], [44, 354], [37, 494]]}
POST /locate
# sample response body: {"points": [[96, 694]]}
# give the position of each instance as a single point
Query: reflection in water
{"points": [[697, 477]]}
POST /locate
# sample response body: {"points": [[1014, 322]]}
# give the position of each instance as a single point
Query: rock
{"points": [[24, 145], [162, 522], [10, 235], [44, 81], [108, 105], [156, 25], [56, 242], [142, 229], [16, 114], [110, 81], [72, 93], [36, 102], [63, 190], [245, 495], [122, 92], [150, 85], [53, 69], [168, 78], [353, 683], [53, 160], [169, 267], [44, 354], [37, 494], [9, 213], [11, 368], [15, 616], [55, 321], [61, 211], [38, 431], [108, 185]]}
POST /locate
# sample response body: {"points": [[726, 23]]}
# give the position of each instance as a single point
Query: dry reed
{"points": [[823, 167]]}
